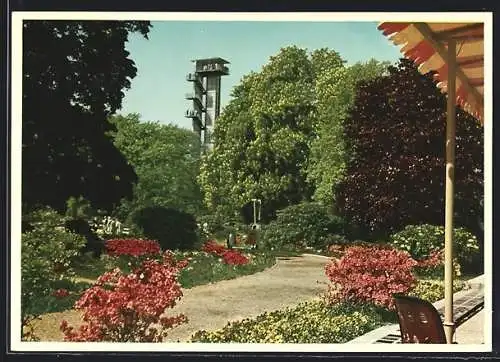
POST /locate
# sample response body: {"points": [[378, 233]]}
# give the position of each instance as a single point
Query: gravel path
{"points": [[211, 306], [287, 283]]}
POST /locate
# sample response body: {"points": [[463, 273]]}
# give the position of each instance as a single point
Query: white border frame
{"points": [[16, 132]]}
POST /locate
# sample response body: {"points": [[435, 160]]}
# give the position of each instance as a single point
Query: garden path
{"points": [[289, 282]]}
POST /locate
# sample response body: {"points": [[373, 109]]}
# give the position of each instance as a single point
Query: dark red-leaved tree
{"points": [[396, 167]]}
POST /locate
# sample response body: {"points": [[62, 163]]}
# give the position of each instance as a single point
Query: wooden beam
{"points": [[465, 38], [470, 62], [453, 33], [442, 51]]}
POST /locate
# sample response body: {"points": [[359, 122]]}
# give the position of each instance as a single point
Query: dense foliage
{"points": [[74, 74], [262, 138], [395, 175], [421, 240], [166, 159], [335, 88], [370, 275], [173, 229], [302, 225], [130, 307]]}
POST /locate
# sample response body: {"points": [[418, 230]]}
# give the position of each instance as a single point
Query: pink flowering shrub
{"points": [[130, 307], [370, 274], [132, 247]]}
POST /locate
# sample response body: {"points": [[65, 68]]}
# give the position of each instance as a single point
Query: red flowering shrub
{"points": [[60, 293], [233, 257], [132, 247], [370, 274], [212, 247], [130, 308]]}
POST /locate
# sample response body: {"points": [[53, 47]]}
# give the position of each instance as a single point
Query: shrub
{"points": [[47, 252], [421, 240], [173, 229], [132, 247], [308, 322], [303, 225], [370, 274], [130, 308]]}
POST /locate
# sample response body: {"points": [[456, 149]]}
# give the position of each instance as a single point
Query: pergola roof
{"points": [[426, 45]]}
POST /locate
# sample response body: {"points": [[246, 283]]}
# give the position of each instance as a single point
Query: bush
{"points": [[130, 307], [370, 275], [47, 252], [303, 225], [421, 240], [308, 322], [173, 229]]}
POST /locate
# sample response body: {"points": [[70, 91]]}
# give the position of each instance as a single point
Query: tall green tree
{"points": [[166, 159], [74, 74], [395, 175], [262, 138], [335, 89]]}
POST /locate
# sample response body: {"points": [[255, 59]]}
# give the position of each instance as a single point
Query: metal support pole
{"points": [[254, 211], [449, 325]]}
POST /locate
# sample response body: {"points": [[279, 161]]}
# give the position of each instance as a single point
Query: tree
{"points": [[262, 138], [335, 88], [74, 74], [166, 159], [395, 175]]}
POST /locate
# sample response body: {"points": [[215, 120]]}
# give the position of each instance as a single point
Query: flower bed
{"points": [[308, 322], [207, 268]]}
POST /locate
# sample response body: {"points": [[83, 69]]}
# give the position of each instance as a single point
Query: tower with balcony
{"points": [[205, 96]]}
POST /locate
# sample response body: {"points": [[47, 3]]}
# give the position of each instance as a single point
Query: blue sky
{"points": [[157, 92]]}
